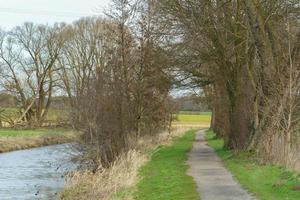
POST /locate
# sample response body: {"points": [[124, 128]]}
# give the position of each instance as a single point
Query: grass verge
{"points": [[164, 176], [267, 182], [11, 140]]}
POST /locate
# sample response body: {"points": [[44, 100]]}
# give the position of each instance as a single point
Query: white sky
{"points": [[16, 12]]}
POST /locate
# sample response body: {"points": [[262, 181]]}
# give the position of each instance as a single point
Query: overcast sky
{"points": [[16, 12]]}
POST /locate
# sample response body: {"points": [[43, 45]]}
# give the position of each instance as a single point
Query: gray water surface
{"points": [[35, 173]]}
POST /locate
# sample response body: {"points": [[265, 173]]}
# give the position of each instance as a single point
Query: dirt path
{"points": [[214, 182]]}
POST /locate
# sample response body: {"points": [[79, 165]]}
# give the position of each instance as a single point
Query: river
{"points": [[35, 174]]}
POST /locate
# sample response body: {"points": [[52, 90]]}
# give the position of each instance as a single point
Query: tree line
{"points": [[245, 56], [117, 71]]}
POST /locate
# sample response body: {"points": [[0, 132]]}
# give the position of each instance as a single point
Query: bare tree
{"points": [[29, 54], [113, 71]]}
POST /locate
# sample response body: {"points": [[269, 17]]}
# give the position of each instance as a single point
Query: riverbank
{"points": [[11, 140], [267, 182], [127, 176]]}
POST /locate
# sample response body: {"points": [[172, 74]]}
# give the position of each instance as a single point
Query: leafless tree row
{"points": [[116, 78], [245, 56]]}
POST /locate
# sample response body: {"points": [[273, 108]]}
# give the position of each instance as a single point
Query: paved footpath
{"points": [[214, 181]]}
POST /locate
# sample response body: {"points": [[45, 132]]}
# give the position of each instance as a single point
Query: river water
{"points": [[34, 174]]}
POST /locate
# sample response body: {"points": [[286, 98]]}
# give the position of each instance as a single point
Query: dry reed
{"points": [[122, 175]]}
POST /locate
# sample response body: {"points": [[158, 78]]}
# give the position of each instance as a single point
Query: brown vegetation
{"points": [[120, 89]]}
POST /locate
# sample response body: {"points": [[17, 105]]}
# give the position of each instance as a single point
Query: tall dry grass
{"points": [[123, 173]]}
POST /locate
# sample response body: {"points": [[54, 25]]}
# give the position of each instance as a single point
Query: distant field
{"points": [[53, 115], [194, 113], [192, 118], [30, 133]]}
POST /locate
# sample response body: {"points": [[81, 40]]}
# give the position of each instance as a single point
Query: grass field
{"points": [[194, 112], [164, 176], [30, 133], [265, 181], [199, 119], [52, 115]]}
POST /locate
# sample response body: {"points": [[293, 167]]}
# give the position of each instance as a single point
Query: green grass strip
{"points": [[29, 133], [267, 182], [165, 177]]}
